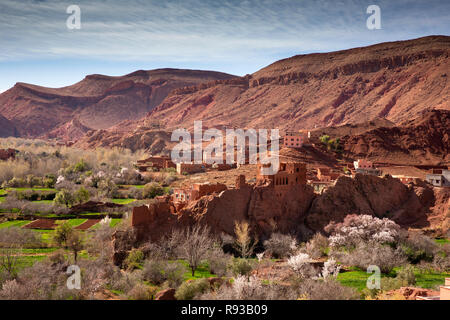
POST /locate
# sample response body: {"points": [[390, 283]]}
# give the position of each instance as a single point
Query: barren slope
{"points": [[97, 102]]}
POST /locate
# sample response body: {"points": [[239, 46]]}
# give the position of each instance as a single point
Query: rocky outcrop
{"points": [[167, 294], [365, 194], [297, 210], [263, 207], [425, 140]]}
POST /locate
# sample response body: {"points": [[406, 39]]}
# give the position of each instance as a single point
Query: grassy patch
{"points": [[33, 189], [72, 222], [442, 241], [28, 261], [114, 222], [201, 272], [43, 201], [14, 223], [358, 278]]}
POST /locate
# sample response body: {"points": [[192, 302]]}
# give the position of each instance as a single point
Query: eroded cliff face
{"points": [[298, 210]]}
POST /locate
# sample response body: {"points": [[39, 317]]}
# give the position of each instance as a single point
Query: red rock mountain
{"points": [[395, 80], [96, 102], [7, 129], [388, 82]]}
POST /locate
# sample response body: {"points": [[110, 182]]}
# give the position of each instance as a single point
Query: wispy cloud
{"points": [[241, 32]]}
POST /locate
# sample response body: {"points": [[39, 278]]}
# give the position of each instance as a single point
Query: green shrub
{"points": [[81, 166], [241, 266], [49, 181], [62, 233], [134, 259], [407, 274], [82, 195], [159, 271], [190, 289], [65, 198], [152, 190]]}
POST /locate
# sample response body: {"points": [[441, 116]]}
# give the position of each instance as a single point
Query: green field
{"points": [[72, 222], [14, 223], [114, 222], [442, 241], [33, 189], [123, 201], [358, 278], [43, 201]]}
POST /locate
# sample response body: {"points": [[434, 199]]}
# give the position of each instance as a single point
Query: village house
{"points": [[406, 179], [366, 167], [190, 168], [155, 162], [196, 191], [296, 139], [325, 174], [289, 173], [6, 154], [439, 178]]}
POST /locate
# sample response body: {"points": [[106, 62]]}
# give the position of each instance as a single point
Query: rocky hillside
{"points": [[300, 211], [396, 81], [7, 129], [96, 102], [425, 140]]}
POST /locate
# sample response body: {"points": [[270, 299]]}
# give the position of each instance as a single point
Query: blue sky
{"points": [[238, 37]]}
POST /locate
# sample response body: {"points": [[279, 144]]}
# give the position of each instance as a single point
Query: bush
{"points": [[362, 228], [407, 275], [301, 264], [190, 289], [317, 247], [218, 262], [82, 195], [62, 233], [64, 198], [280, 245], [159, 271], [141, 292], [134, 259], [329, 289], [418, 247], [241, 267], [17, 237], [151, 190], [251, 288]]}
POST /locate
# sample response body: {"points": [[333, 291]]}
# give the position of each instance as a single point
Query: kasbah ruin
{"points": [[302, 197]]}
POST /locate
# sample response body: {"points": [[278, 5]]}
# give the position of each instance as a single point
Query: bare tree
{"points": [[8, 261], [244, 243], [75, 243], [195, 245]]}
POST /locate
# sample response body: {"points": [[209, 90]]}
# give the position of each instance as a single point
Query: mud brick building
{"points": [[326, 175], [6, 154], [189, 168], [289, 173], [196, 191], [155, 162]]}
